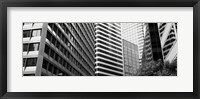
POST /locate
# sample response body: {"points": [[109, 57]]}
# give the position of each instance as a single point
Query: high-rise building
{"points": [[152, 46], [168, 37], [58, 49], [131, 58], [108, 48], [134, 33]]}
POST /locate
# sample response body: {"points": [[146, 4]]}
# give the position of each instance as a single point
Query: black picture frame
{"points": [[4, 4]]}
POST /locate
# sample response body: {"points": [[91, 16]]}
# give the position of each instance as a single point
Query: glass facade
{"points": [[134, 33], [131, 58], [152, 46]]}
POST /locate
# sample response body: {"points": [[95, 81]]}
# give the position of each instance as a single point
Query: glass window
{"points": [[56, 57], [34, 47], [50, 69], [24, 60], [55, 71], [26, 33], [31, 62], [45, 64], [25, 47], [48, 35], [58, 45], [55, 28], [53, 40], [52, 53], [47, 49], [36, 33], [29, 74]]}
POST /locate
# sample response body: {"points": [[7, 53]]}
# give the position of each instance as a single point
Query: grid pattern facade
{"points": [[60, 49], [134, 33], [131, 58], [152, 46], [108, 49], [168, 36]]}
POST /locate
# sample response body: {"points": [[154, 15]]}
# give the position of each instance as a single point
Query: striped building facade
{"points": [[108, 49]]}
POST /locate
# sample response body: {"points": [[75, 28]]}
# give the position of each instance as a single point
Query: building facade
{"points": [[168, 37], [58, 49], [152, 46], [131, 58], [134, 33], [108, 49]]}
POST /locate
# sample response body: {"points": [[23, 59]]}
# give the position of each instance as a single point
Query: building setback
{"points": [[152, 47], [131, 58], [108, 49], [58, 49], [168, 37]]}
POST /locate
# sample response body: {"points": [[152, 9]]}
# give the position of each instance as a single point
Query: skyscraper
{"points": [[134, 33], [131, 58], [152, 47], [168, 37], [108, 48], [58, 49]]}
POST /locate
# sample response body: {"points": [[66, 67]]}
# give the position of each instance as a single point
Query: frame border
{"points": [[99, 3]]}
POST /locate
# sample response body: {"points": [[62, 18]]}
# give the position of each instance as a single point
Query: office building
{"points": [[152, 45], [131, 58], [134, 33], [108, 49], [168, 37], [58, 49]]}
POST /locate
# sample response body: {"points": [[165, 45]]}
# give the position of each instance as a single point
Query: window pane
{"points": [[34, 47], [29, 74], [26, 33], [47, 49], [52, 54], [45, 64], [25, 47], [53, 40], [55, 70], [48, 35], [50, 68], [31, 62], [36, 33], [24, 60]]}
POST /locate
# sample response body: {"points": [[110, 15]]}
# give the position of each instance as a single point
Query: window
{"points": [[49, 35], [61, 61], [47, 49], [26, 33], [31, 62], [45, 64], [36, 33], [52, 54], [29, 74], [25, 47], [56, 57], [50, 69], [24, 61], [55, 70], [53, 40], [34, 47], [58, 45]]}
